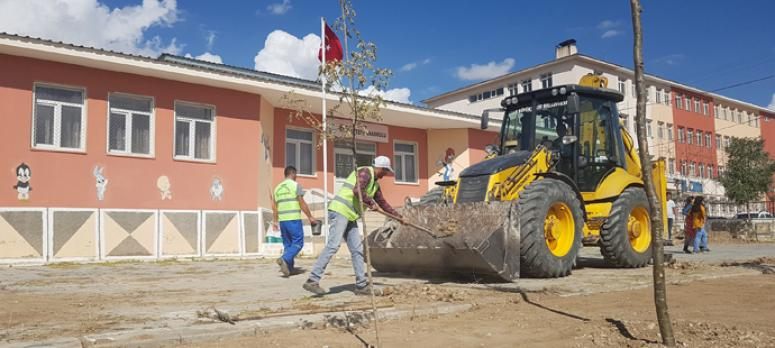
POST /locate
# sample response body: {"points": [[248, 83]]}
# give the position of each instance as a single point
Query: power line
{"points": [[743, 83]]}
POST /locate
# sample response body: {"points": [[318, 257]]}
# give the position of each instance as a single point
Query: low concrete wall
{"points": [[759, 229]]}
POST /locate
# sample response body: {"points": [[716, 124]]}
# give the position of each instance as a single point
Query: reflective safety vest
{"points": [[287, 201], [345, 202]]}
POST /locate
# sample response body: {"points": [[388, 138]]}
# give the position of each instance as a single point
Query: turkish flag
{"points": [[333, 47]]}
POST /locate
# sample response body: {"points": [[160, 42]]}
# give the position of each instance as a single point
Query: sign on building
{"points": [[366, 132]]}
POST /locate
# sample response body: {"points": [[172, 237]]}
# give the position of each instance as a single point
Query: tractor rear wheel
{"points": [[625, 238], [551, 223]]}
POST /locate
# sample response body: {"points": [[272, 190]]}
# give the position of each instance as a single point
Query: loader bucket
{"points": [[479, 239]]}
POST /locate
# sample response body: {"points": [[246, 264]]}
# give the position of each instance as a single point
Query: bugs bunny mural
{"points": [[101, 182]]}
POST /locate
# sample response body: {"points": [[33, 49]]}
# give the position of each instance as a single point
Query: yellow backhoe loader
{"points": [[566, 174]]}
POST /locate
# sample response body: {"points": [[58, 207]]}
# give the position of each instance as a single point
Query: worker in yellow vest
{"points": [[343, 214], [288, 204]]}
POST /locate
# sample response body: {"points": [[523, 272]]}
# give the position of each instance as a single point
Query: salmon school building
{"points": [[105, 155]]}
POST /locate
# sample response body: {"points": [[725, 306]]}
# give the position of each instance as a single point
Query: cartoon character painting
{"points": [[163, 184], [216, 190], [23, 176], [101, 182], [446, 164]]}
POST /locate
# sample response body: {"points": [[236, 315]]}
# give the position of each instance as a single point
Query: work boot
{"points": [[284, 269], [686, 251], [314, 288], [366, 291], [705, 250]]}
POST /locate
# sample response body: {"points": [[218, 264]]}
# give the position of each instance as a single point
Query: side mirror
{"points": [[574, 104], [569, 139], [485, 119]]}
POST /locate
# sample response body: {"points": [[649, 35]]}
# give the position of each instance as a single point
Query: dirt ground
{"points": [[729, 312]]}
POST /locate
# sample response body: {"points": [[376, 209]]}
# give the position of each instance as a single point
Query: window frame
{"points": [[527, 82], [348, 152], [670, 135], [689, 136], [547, 80], [128, 114], [416, 155], [84, 117], [298, 151], [192, 128]]}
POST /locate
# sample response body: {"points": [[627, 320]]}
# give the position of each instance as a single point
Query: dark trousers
{"points": [[669, 229]]}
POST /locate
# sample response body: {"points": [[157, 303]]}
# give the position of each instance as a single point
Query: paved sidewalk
{"points": [[73, 300]]}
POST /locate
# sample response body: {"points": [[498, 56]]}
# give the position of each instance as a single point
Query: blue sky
{"points": [[707, 44]]}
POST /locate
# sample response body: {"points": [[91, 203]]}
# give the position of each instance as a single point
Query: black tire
{"points": [[536, 259], [614, 235], [434, 196]]}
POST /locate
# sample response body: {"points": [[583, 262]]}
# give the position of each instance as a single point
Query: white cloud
{"points": [[670, 59], [92, 23], [280, 8], [486, 71], [400, 95], [210, 38], [413, 65], [286, 54], [608, 24], [610, 33], [207, 57], [772, 103]]}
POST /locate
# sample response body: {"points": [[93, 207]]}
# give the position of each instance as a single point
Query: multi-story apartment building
{"points": [[688, 127]]}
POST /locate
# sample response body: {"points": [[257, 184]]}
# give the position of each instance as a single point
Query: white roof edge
{"points": [[146, 66]]}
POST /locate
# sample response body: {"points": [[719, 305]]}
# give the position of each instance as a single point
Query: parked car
{"points": [[759, 215]]}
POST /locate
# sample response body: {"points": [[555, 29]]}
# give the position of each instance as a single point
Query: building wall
{"points": [[64, 179], [394, 192], [696, 121]]}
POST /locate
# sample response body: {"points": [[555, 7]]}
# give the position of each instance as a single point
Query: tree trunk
{"points": [[657, 226]]}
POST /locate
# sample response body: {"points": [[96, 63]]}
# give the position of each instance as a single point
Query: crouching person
{"points": [[343, 214]]}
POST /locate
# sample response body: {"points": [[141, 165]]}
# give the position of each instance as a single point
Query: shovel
{"points": [[404, 222]]}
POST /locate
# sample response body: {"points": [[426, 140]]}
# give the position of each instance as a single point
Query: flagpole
{"points": [[325, 133]]}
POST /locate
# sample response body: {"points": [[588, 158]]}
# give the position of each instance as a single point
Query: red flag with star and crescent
{"points": [[332, 46]]}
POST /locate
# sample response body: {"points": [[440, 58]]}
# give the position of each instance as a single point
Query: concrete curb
{"points": [[165, 337]]}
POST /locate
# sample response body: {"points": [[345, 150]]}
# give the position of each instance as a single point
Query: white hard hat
{"points": [[382, 162]]}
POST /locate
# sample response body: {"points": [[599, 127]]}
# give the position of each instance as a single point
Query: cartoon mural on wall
{"points": [[216, 190], [101, 182], [164, 186], [447, 171], [267, 146], [23, 176]]}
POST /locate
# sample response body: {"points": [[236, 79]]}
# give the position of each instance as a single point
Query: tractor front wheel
{"points": [[625, 238]]}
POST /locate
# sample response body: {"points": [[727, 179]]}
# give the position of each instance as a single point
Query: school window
{"points": [[716, 112], [622, 89], [486, 95], [738, 117], [718, 142], [299, 151], [659, 96], [405, 158], [726, 142], [58, 118], [701, 169], [669, 131], [707, 140], [689, 136], [687, 103], [194, 131], [660, 130], [667, 98], [527, 86], [709, 171], [756, 121], [699, 137], [691, 168], [678, 101], [697, 105], [681, 135], [513, 89], [704, 107], [343, 157], [684, 171], [671, 166], [130, 124], [546, 80]]}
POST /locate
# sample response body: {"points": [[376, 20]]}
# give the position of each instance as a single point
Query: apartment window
{"points": [[687, 103], [689, 136], [58, 119], [527, 86], [472, 98], [709, 171], [194, 131], [130, 124], [546, 80], [667, 98], [681, 135], [486, 95], [756, 120], [718, 142], [669, 131], [716, 112], [707, 141], [659, 96], [649, 132], [704, 107], [671, 166], [299, 151], [692, 166], [684, 171], [726, 143], [701, 169], [513, 89], [699, 137], [405, 157], [678, 101], [738, 117], [622, 87], [697, 105], [343, 157], [660, 130]]}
